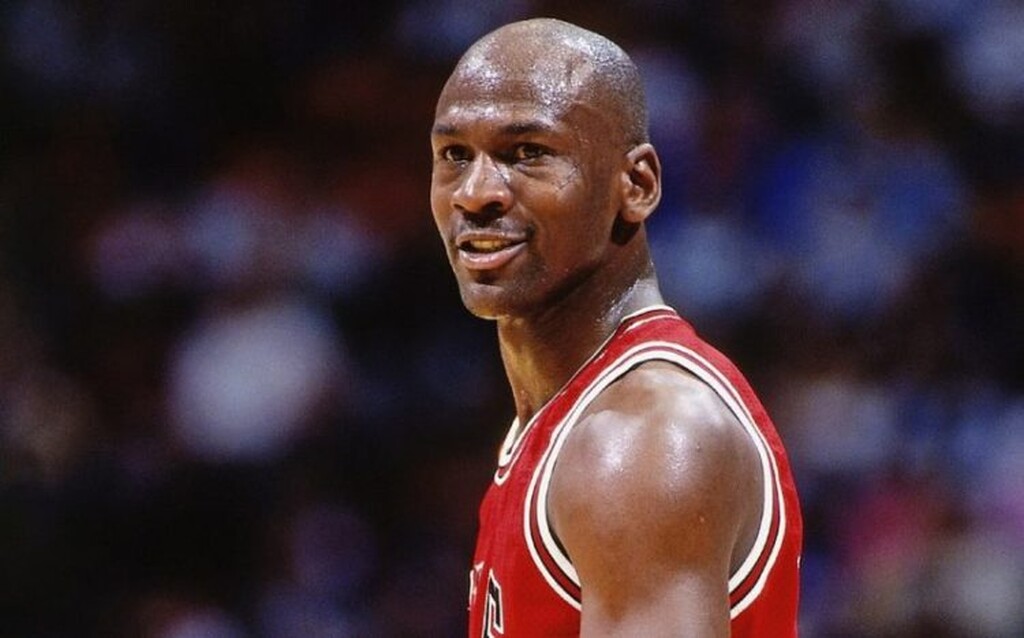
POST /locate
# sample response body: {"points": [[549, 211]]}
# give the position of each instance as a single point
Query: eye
{"points": [[455, 154], [527, 152]]}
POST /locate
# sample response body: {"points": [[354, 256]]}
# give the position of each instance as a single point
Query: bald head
{"points": [[557, 65]]}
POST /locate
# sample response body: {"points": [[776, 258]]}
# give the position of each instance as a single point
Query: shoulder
{"points": [[660, 428], [660, 471]]}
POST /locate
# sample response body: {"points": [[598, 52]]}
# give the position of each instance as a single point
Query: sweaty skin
{"points": [[543, 176]]}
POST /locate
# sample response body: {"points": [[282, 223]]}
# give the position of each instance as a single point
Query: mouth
{"points": [[488, 252]]}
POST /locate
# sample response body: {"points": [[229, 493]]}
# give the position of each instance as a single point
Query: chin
{"points": [[482, 306], [487, 301]]}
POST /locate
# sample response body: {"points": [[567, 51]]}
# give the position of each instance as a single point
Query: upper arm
{"points": [[654, 497]]}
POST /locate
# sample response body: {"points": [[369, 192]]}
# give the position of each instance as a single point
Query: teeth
{"points": [[487, 245]]}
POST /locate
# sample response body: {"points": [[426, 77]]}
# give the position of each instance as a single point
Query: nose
{"points": [[484, 188]]}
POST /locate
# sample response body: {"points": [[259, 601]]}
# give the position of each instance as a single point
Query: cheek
{"points": [[577, 233], [439, 207], [589, 212]]}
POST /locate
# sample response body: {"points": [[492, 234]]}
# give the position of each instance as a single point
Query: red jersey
{"points": [[522, 582]]}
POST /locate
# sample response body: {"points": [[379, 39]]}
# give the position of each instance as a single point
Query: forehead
{"points": [[546, 79], [502, 118], [513, 87]]}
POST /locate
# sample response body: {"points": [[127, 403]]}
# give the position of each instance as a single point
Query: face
{"points": [[524, 187]]}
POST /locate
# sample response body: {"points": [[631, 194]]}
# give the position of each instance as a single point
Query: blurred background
{"points": [[239, 395]]}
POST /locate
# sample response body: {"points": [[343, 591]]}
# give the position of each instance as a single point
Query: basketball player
{"points": [[642, 489]]}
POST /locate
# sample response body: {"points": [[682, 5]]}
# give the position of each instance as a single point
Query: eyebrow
{"points": [[444, 130], [512, 129], [524, 128]]}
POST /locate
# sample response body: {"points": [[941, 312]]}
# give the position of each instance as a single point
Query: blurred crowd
{"points": [[239, 395]]}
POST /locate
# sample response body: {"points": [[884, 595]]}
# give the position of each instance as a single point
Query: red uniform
{"points": [[523, 584]]}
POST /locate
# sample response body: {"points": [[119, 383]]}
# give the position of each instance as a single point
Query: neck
{"points": [[541, 352]]}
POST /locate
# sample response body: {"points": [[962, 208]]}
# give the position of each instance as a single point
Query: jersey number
{"points": [[494, 623]]}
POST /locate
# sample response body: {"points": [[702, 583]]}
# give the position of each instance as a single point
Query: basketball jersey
{"points": [[523, 584]]}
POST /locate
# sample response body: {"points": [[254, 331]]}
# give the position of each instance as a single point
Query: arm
{"points": [[656, 498]]}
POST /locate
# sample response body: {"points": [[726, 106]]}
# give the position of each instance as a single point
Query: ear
{"points": [[641, 183]]}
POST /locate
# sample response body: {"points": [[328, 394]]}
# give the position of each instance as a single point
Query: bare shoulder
{"points": [[661, 433], [658, 481]]}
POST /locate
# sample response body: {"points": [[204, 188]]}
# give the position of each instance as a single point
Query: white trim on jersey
{"points": [[704, 370], [509, 449], [511, 445], [692, 362], [641, 322], [543, 474]]}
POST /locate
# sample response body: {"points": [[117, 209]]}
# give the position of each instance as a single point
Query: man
{"points": [[642, 489]]}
